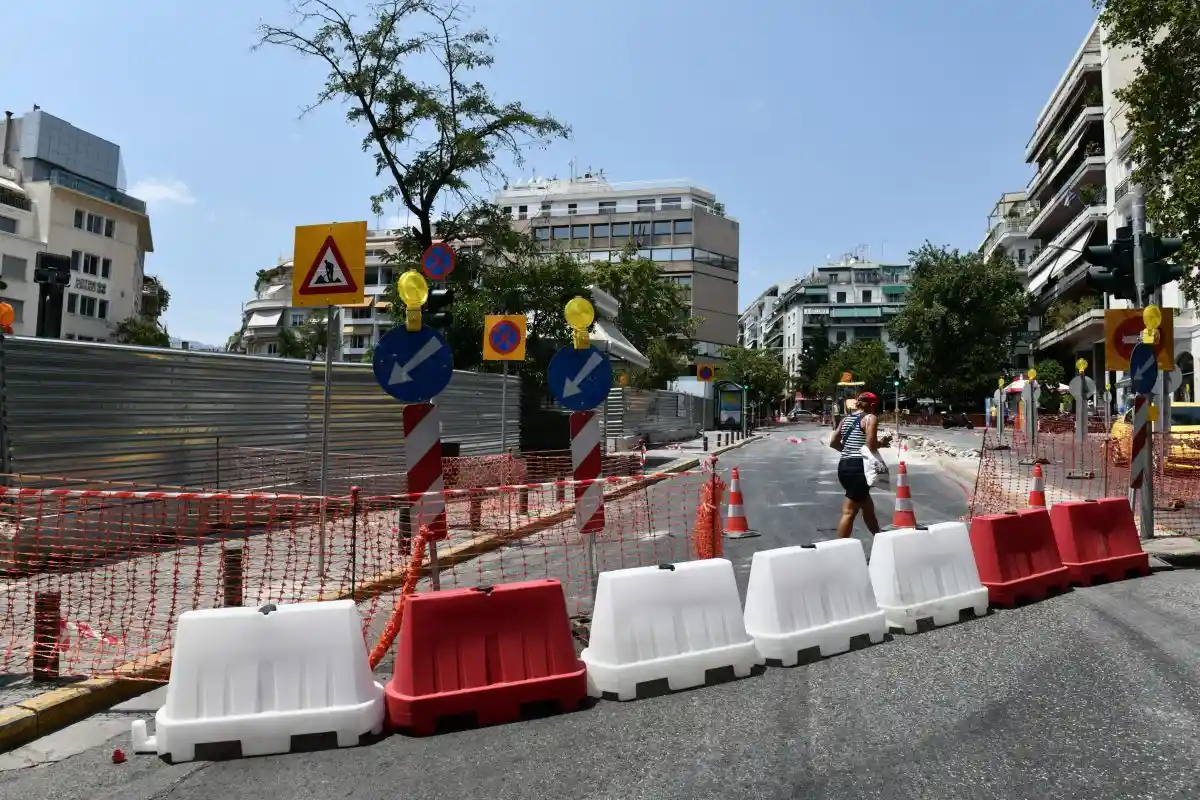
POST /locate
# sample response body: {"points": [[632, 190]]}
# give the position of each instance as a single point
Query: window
{"points": [[841, 337], [641, 229], [79, 219], [894, 356], [672, 203], [8, 225], [76, 260], [662, 228], [866, 295], [87, 305], [608, 206], [1021, 257], [105, 267], [14, 269], [271, 349], [684, 282], [91, 264], [110, 228], [95, 223], [507, 210], [620, 230], [72, 303], [522, 212], [18, 307], [561, 232], [358, 341], [600, 231], [360, 313], [297, 319], [645, 205], [371, 276], [545, 205], [102, 309], [579, 231], [541, 234], [683, 226], [841, 297], [572, 208]]}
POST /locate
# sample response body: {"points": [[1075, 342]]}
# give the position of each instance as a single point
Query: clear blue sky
{"points": [[821, 124]]}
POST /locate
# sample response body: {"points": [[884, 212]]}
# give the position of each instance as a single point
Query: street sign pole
{"points": [[504, 407], [325, 404]]}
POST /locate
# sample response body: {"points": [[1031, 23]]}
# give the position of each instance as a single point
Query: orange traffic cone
{"points": [[1037, 495], [736, 525], [903, 516]]}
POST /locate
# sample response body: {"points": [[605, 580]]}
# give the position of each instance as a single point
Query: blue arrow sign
{"points": [[413, 367], [1143, 368], [580, 379]]}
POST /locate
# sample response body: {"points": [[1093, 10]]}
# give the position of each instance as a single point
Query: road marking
{"points": [[790, 505]]}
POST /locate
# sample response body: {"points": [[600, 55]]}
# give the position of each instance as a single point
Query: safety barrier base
{"points": [[684, 671], [1117, 568], [493, 705], [1029, 589], [936, 613], [834, 638]]}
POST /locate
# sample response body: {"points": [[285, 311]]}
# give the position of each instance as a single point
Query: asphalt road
{"points": [[1091, 694]]}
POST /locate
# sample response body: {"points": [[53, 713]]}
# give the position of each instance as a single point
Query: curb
{"points": [[43, 714]]}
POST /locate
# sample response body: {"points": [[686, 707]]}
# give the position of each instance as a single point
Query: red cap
{"points": [[869, 397]]}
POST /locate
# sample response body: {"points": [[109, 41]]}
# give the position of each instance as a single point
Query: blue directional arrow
{"points": [[413, 367], [580, 379], [1143, 368]]}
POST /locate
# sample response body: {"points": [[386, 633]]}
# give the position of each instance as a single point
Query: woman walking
{"points": [[857, 429]]}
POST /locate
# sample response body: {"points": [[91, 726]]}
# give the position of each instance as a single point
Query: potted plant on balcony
{"points": [[1093, 96], [1090, 194], [1093, 149]]}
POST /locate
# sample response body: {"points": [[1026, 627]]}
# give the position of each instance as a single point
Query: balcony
{"points": [[97, 190], [1064, 207], [13, 198], [280, 302], [1091, 157], [1055, 248], [1087, 61], [1009, 226], [1085, 329]]}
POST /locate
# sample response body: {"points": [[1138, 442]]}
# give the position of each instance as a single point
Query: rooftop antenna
{"points": [[571, 163]]}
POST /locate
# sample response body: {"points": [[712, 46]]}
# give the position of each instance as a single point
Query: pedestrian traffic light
{"points": [[1112, 266], [439, 311], [896, 379]]}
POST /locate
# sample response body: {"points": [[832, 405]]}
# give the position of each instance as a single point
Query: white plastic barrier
{"points": [[802, 598], [262, 676], [674, 621], [922, 573]]}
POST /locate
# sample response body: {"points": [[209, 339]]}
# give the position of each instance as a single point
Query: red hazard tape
{"points": [[484, 652], [1098, 540], [1017, 556]]}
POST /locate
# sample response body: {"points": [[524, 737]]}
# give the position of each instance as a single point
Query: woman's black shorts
{"points": [[853, 478]]}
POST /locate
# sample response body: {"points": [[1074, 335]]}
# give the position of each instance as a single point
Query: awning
{"points": [[894, 290], [364, 303], [607, 338], [382, 304], [265, 319], [857, 313]]}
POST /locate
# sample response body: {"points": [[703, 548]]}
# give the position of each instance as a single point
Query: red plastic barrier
{"points": [[1017, 556], [1098, 539], [484, 652]]}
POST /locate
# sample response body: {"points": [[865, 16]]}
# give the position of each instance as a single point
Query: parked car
{"points": [[800, 415], [1185, 437]]}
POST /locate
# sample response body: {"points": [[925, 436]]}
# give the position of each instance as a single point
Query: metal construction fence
{"points": [[114, 615], [1094, 468]]}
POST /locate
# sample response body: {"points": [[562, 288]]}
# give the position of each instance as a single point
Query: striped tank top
{"points": [[853, 436]]}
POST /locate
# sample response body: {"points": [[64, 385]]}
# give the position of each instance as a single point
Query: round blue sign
{"points": [[438, 261], [505, 337], [413, 367], [580, 379]]}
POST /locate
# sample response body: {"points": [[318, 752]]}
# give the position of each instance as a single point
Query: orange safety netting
{"points": [[1093, 468], [103, 574]]}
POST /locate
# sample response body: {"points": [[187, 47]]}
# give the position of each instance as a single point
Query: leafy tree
{"points": [[144, 331], [1163, 113], [960, 320], [428, 135], [666, 364], [290, 345], [1050, 374], [813, 356], [650, 304], [866, 359], [759, 371]]}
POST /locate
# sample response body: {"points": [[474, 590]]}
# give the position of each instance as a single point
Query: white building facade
{"points": [[62, 191]]}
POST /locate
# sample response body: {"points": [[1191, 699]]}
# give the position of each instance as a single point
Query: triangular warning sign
{"points": [[328, 274]]}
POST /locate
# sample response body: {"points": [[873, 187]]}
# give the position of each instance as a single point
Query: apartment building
{"points": [[675, 223], [62, 190], [1008, 233], [361, 325], [847, 300]]}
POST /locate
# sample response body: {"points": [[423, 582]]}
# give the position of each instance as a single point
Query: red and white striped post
{"points": [[589, 497], [1140, 458], [423, 460]]}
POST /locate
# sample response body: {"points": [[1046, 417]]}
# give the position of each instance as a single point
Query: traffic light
{"points": [[439, 311], [1155, 251], [896, 379], [1112, 266]]}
